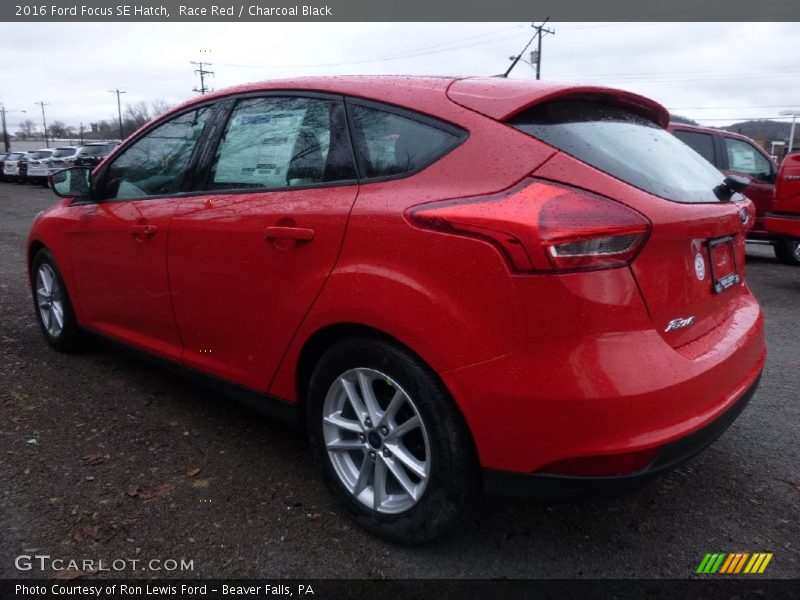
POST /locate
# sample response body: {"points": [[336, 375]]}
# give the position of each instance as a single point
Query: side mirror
{"points": [[75, 182], [732, 184]]}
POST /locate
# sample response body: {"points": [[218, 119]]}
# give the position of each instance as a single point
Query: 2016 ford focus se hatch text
{"points": [[453, 285]]}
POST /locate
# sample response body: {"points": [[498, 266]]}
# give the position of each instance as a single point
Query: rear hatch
{"points": [[690, 271], [787, 186]]}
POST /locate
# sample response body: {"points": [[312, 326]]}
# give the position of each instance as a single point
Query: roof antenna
{"points": [[530, 41]]}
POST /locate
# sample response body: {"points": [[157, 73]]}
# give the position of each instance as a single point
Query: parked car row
{"points": [[777, 219], [35, 166]]}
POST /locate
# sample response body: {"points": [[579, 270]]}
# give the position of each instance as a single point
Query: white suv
{"points": [[11, 166], [39, 165]]}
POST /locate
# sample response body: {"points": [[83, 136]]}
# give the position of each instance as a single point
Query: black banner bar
{"points": [[394, 11], [440, 589]]}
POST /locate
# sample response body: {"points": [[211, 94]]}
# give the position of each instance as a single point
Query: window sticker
{"points": [[258, 148], [741, 158]]}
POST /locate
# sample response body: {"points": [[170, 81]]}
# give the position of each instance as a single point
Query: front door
{"points": [[119, 243]]}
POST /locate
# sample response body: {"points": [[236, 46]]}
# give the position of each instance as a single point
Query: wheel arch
{"points": [[326, 337]]}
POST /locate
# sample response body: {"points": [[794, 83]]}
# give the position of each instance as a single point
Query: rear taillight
{"points": [[543, 226]]}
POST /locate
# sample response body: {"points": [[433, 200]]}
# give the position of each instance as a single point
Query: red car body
{"points": [[561, 370]]}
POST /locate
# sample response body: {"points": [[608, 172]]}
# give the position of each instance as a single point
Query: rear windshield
{"points": [[41, 154], [61, 152], [623, 144], [15, 156], [94, 150]]}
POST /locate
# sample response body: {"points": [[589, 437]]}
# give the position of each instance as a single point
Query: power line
{"points": [[728, 107], [397, 56], [202, 72]]}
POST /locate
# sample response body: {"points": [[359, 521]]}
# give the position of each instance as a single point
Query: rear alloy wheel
{"points": [[390, 442], [787, 251], [53, 308]]}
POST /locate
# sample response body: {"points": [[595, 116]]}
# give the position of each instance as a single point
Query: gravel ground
{"points": [[104, 457]]}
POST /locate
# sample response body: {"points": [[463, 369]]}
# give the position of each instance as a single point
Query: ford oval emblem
{"points": [[699, 266], [744, 216]]}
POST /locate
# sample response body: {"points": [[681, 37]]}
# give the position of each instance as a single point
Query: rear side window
{"points": [[94, 150], [624, 144], [390, 144], [702, 143], [278, 142]]}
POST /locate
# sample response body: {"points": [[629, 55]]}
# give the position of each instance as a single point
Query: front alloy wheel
{"points": [[787, 251], [50, 300], [52, 303]]}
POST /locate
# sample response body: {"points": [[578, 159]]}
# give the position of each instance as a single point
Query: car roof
{"points": [[496, 97], [701, 129]]}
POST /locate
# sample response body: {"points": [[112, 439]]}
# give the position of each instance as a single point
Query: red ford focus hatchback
{"points": [[452, 284]]}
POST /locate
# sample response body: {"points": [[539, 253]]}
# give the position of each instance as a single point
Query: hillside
{"points": [[771, 130]]}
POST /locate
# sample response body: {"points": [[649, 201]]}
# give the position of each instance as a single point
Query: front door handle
{"points": [[299, 234], [143, 232]]}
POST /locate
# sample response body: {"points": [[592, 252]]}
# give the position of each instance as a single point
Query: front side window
{"points": [[744, 158], [278, 142], [391, 144], [156, 163]]}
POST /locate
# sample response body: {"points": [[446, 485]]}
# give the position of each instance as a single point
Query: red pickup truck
{"points": [[775, 192], [783, 219]]}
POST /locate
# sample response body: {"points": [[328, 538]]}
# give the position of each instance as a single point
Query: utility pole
{"points": [[5, 131], [44, 122], [119, 111], [794, 114], [540, 31], [202, 72], [81, 134], [3, 112]]}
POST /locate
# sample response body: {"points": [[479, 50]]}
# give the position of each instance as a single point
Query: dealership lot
{"points": [[104, 457]]}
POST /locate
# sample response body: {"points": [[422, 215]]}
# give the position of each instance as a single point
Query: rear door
{"points": [[248, 255]]}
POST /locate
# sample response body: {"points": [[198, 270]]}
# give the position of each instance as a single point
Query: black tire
{"points": [[787, 251], [453, 487], [68, 337]]}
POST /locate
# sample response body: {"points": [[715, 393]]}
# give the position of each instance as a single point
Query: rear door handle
{"points": [[143, 232], [299, 234]]}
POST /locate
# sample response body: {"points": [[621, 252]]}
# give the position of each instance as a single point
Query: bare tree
{"points": [[58, 129], [139, 113], [27, 128]]}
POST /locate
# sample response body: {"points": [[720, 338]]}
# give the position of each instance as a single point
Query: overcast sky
{"points": [[715, 73]]}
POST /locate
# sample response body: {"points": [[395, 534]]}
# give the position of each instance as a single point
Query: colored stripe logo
{"points": [[733, 563]]}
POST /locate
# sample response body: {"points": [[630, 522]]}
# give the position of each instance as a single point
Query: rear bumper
{"points": [[563, 487], [597, 380], [783, 224]]}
